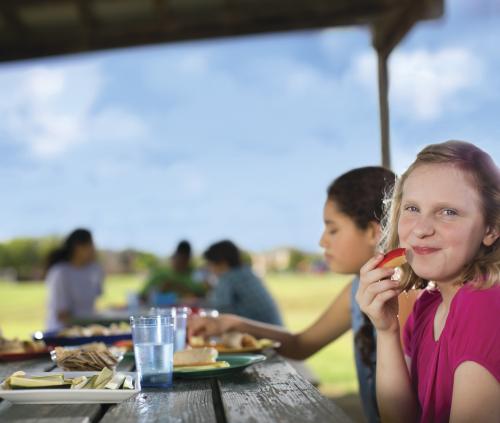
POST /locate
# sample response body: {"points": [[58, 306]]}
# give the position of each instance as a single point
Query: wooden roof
{"points": [[38, 28]]}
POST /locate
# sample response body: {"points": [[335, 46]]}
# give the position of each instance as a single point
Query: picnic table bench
{"points": [[267, 392]]}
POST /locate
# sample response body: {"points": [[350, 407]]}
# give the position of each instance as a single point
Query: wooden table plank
{"points": [[61, 413], [268, 392], [273, 392], [34, 365], [186, 402]]}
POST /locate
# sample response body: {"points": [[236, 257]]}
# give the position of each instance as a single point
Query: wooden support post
{"points": [[383, 99]]}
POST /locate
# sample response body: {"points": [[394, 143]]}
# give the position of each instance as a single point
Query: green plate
{"points": [[237, 362]]}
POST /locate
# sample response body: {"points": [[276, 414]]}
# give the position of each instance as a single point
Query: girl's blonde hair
{"points": [[484, 268]]}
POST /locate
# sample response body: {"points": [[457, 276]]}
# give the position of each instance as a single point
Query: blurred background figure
{"points": [[238, 290], [74, 279], [177, 282]]}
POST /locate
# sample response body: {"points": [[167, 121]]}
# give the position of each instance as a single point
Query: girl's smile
{"points": [[424, 250]]}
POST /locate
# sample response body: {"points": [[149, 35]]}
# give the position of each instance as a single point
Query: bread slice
{"points": [[195, 356]]}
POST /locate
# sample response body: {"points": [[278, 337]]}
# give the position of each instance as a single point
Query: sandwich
{"points": [[238, 340], [198, 359]]}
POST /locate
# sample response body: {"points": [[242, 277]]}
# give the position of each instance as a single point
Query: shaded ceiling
{"points": [[38, 28]]}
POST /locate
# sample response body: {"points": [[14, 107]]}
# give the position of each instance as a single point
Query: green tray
{"points": [[237, 363]]}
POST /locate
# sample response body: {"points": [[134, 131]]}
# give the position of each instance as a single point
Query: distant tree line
{"points": [[24, 258]]}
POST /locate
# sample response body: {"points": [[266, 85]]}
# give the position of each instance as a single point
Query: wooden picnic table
{"points": [[270, 391]]}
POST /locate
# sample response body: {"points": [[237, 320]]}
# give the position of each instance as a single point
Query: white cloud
{"points": [[114, 123], [51, 109], [194, 63], [44, 84], [189, 179], [302, 78], [424, 84]]}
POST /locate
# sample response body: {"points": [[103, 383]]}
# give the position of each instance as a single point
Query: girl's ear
{"points": [[490, 237], [373, 233]]}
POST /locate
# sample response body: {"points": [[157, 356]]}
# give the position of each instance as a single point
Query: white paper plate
{"points": [[70, 396]]}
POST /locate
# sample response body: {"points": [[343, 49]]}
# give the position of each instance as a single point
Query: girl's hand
{"points": [[377, 295], [211, 326]]}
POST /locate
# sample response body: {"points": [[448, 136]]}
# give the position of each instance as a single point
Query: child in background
{"points": [[445, 211], [176, 281], [352, 214], [74, 280], [239, 290]]}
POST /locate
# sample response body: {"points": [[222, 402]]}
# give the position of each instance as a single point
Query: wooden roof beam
{"points": [[89, 21], [164, 16], [12, 19], [87, 15], [388, 31]]}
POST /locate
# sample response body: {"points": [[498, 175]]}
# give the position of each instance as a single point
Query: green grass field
{"points": [[301, 298]]}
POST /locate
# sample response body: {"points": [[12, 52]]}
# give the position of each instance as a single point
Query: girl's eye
{"points": [[412, 209], [333, 232], [449, 212]]}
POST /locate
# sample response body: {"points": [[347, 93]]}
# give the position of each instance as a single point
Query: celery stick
{"points": [[103, 378], [116, 382], [128, 383]]}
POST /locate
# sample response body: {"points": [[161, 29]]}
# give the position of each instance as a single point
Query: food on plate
{"points": [[233, 341], [125, 345], [197, 341], [195, 356], [95, 330], [19, 380], [15, 346], [393, 258], [198, 359], [106, 379], [89, 357], [198, 367], [239, 340], [267, 343]]}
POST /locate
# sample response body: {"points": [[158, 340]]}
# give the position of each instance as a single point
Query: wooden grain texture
{"points": [[44, 413], [268, 392], [34, 365], [186, 402], [273, 392]]}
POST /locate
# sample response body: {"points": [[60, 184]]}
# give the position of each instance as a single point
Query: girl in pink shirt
{"points": [[445, 210]]}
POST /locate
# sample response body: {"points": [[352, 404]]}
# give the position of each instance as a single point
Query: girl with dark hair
{"points": [[352, 214], [74, 279], [239, 291]]}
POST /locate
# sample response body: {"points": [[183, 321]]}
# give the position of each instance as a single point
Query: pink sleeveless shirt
{"points": [[471, 333]]}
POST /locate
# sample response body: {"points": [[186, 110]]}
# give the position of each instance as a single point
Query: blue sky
{"points": [[233, 138]]}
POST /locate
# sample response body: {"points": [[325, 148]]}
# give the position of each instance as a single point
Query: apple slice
{"points": [[394, 258]]}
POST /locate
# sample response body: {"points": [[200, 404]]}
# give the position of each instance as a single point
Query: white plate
{"points": [[70, 396]]}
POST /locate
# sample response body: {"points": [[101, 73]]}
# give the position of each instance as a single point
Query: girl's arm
{"points": [[333, 323], [377, 297], [395, 398], [476, 395]]}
